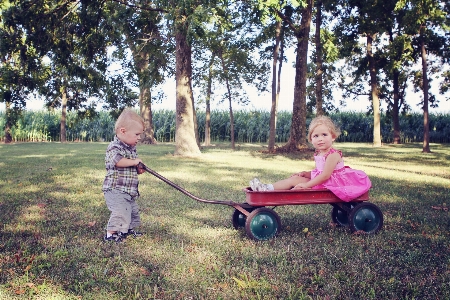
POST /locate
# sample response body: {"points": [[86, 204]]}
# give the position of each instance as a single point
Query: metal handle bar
{"points": [[229, 203]]}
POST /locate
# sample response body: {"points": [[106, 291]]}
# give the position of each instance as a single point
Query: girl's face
{"points": [[322, 138], [132, 134]]}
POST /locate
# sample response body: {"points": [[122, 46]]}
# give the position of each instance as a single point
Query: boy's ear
{"points": [[122, 130]]}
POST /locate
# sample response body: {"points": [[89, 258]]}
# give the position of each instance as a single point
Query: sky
{"points": [[263, 102]]}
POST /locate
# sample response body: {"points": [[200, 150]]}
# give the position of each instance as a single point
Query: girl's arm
{"points": [[330, 163], [306, 174]]}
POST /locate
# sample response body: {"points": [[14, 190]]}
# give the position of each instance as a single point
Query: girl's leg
{"points": [[289, 183]]}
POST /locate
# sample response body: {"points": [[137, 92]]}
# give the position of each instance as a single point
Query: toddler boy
{"points": [[120, 186]]}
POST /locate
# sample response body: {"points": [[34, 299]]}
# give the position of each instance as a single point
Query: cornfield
{"points": [[250, 127]]}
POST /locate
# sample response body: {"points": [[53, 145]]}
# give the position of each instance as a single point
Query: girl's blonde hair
{"points": [[127, 118], [324, 120]]}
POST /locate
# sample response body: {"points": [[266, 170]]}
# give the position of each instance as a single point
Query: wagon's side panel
{"points": [[295, 197]]}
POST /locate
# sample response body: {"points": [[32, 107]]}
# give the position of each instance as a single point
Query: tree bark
{"points": [[194, 116], [297, 137], [145, 107], [225, 71], [274, 106], [397, 103], [426, 124], [319, 61], [396, 108], [145, 99], [375, 93], [8, 125], [63, 114], [185, 141], [208, 104]]}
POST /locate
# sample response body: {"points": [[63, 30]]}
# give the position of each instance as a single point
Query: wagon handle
{"points": [[144, 167]]}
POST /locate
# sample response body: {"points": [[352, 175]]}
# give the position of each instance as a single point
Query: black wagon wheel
{"points": [[262, 224], [366, 217], [238, 218], [339, 216]]}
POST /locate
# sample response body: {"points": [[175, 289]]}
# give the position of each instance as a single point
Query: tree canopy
{"points": [[63, 52]]}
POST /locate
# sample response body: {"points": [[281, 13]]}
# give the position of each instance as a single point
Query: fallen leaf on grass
{"points": [[92, 224], [19, 292], [444, 208], [144, 271], [222, 286]]}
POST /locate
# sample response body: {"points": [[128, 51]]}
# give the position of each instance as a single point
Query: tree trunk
{"points": [[375, 93], [397, 103], [185, 141], [274, 107], [395, 108], [63, 114], [208, 105], [426, 124], [194, 115], [145, 107], [225, 71], [8, 125], [233, 144], [145, 99], [297, 138], [319, 61]]}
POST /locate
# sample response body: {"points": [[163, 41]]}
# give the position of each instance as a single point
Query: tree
{"points": [[399, 58], [273, 34], [321, 70], [68, 33], [137, 29], [297, 137], [229, 38], [21, 69], [366, 19], [276, 83], [185, 17], [428, 21], [319, 59]]}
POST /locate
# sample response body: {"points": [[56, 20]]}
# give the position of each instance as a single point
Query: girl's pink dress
{"points": [[346, 183]]}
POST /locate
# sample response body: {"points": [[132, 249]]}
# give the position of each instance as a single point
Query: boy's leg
{"points": [[135, 218], [119, 204]]}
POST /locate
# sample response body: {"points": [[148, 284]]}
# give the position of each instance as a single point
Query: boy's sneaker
{"points": [[134, 233], [115, 237]]}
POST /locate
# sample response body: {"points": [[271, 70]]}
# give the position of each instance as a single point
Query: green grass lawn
{"points": [[53, 215]]}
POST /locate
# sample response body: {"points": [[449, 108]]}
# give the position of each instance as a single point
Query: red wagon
{"points": [[263, 223]]}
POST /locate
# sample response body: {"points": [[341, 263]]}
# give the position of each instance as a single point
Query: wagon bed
{"points": [[295, 197]]}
